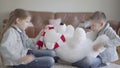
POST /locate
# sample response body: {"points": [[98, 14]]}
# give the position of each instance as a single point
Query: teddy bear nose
{"points": [[61, 23]]}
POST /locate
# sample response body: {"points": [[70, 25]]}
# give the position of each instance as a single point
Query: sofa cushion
{"points": [[115, 25], [39, 19]]}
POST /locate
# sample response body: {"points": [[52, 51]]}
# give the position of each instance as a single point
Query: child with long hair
{"points": [[18, 51]]}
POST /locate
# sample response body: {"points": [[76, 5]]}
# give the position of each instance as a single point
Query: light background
{"points": [[110, 7]]}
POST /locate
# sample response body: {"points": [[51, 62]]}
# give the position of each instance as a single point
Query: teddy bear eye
{"points": [[61, 23]]}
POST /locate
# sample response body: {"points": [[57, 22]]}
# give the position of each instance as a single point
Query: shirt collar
{"points": [[17, 28]]}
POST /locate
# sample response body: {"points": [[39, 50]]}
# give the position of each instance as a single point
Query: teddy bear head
{"points": [[60, 32], [63, 34]]}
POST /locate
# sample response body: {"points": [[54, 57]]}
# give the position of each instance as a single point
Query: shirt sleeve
{"points": [[114, 39], [31, 43], [9, 49]]}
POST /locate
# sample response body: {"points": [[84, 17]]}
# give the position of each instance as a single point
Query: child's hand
{"points": [[97, 46], [26, 59], [29, 58]]}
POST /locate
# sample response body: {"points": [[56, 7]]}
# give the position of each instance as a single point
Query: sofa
{"points": [[74, 18]]}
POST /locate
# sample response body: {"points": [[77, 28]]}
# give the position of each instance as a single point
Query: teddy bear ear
{"points": [[55, 22], [79, 34], [70, 29], [80, 31]]}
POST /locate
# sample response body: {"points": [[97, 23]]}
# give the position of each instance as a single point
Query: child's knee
{"points": [[50, 61]]}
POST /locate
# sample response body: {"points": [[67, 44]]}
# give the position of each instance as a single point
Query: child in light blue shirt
{"points": [[101, 27], [18, 51]]}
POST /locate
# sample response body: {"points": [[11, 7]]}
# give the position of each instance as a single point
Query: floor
{"points": [[112, 65], [68, 66], [63, 65]]}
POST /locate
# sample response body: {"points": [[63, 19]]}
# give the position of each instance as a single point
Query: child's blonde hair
{"points": [[17, 13], [98, 15]]}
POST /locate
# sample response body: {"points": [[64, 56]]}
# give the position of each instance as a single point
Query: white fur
{"points": [[77, 45], [91, 35]]}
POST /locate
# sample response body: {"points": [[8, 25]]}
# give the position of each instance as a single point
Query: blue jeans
{"points": [[44, 59], [87, 63]]}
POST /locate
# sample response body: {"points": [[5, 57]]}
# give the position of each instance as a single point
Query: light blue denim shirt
{"points": [[12, 47], [110, 54]]}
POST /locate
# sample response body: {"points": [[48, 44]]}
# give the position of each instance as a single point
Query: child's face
{"points": [[96, 26], [23, 24]]}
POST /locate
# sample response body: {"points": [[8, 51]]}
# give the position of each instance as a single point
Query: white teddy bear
{"points": [[72, 45]]}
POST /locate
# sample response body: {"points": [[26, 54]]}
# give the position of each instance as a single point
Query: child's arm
{"points": [[33, 42], [10, 46], [114, 39]]}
